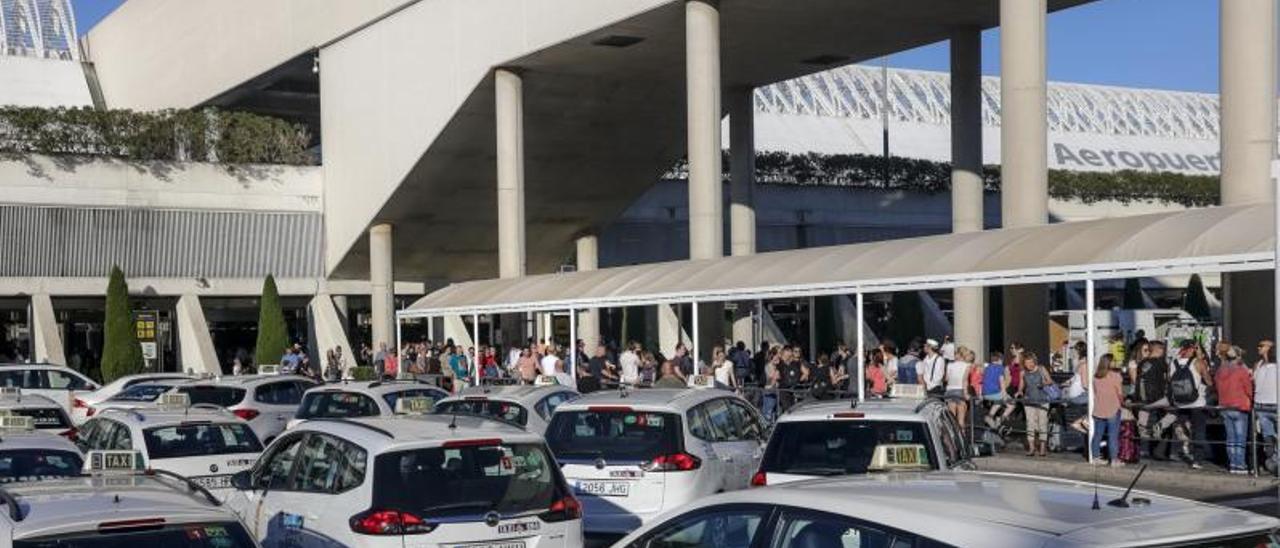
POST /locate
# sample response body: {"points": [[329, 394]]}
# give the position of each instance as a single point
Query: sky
{"points": [[1165, 44]]}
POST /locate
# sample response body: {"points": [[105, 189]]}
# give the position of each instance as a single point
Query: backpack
{"points": [[991, 376], [1182, 384], [1151, 381]]}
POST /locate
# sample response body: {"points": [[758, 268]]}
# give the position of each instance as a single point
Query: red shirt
{"points": [[878, 384], [1235, 387]]}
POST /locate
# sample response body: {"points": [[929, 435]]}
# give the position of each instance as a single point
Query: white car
{"points": [[60, 384], [116, 508], [141, 395], [348, 400], [424, 480], [631, 456], [961, 509], [266, 402], [27, 454], [527, 406], [83, 406], [830, 438], [205, 445], [44, 413]]}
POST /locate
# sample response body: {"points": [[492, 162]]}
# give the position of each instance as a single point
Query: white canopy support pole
{"points": [[573, 343], [399, 340], [693, 352], [1091, 357], [862, 350], [475, 342], [813, 332], [1275, 201], [431, 329], [759, 326]]}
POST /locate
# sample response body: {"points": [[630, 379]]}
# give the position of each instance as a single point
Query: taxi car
{"points": [[203, 443], [116, 505], [361, 399], [266, 402], [831, 438], [143, 394], [632, 455], [408, 480], [45, 413], [60, 384], [83, 405], [27, 454], [961, 509], [527, 406]]}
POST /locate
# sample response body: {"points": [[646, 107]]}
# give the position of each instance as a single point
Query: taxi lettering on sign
{"points": [[114, 461]]}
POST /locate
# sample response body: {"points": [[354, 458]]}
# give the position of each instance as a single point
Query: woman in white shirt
{"points": [[957, 383], [723, 370]]}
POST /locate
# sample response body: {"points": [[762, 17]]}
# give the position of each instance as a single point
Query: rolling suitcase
{"points": [[1128, 442]]}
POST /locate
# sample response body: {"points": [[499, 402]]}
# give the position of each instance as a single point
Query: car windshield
{"points": [[614, 434], [141, 393], [37, 464], [506, 478], [199, 439], [51, 418], [221, 396], [336, 405], [502, 410], [839, 447], [228, 534]]}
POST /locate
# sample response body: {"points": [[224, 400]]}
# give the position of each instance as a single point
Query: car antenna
{"points": [[1096, 506], [453, 422], [1123, 501]]}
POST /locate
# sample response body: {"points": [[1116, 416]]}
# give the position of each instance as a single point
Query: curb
{"points": [[1177, 482]]}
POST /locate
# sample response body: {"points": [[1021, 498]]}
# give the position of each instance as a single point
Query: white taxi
{"points": [[411, 480], [632, 455], [27, 454], [45, 414], [203, 443], [60, 384], [348, 400], [961, 509], [267, 402], [527, 406], [116, 505], [83, 405], [831, 438]]}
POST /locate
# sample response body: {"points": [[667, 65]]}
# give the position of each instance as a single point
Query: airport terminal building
{"points": [[454, 141]]}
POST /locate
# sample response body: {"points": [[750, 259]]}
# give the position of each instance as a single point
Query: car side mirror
{"points": [[243, 480]]}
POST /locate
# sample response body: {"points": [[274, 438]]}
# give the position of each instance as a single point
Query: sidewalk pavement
{"points": [[1169, 478]]}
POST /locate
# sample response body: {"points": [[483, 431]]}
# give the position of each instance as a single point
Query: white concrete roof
{"points": [[1218, 239]]}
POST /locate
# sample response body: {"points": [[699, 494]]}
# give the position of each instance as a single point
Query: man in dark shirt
{"points": [[598, 371]]}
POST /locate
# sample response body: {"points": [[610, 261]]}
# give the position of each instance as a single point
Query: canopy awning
{"points": [[1218, 239]]}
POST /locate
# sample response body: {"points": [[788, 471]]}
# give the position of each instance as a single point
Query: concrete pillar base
{"points": [[970, 313], [382, 280], [46, 335], [195, 343]]}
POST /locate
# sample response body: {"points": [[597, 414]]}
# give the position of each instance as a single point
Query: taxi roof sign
{"points": [[174, 400], [269, 369], [10, 391], [899, 456], [16, 422], [702, 381], [546, 380], [414, 406], [113, 461], [908, 391]]}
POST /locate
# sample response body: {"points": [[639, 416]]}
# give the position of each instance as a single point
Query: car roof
{"points": [[146, 417], [81, 503], [35, 439], [40, 366], [376, 388], [381, 434], [981, 508], [664, 399], [907, 410], [520, 393], [156, 376], [244, 381], [27, 401]]}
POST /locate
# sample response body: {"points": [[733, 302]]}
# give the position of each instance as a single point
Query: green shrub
{"points": [[121, 353], [273, 334]]}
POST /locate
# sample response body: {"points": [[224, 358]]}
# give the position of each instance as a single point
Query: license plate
{"points": [[213, 482], [604, 488], [504, 544]]}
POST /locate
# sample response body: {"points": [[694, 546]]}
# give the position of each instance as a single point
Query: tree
{"points": [[273, 335], [1194, 301], [1133, 295], [121, 353]]}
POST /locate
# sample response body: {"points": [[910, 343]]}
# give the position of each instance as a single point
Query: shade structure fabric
{"points": [[1217, 239]]}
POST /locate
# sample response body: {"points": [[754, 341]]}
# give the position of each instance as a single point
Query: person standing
{"points": [[1150, 381], [629, 363], [390, 366], [1035, 403], [1235, 397], [723, 370], [1108, 396], [877, 376], [957, 384], [909, 364], [1264, 396], [670, 376], [932, 370], [1189, 382], [995, 390], [547, 365]]}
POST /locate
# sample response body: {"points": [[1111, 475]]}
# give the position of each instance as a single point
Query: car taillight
{"points": [[81, 404], [563, 509], [389, 522], [71, 434], [246, 414], [760, 479], [676, 462]]}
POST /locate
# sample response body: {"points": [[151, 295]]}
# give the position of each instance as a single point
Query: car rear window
{"points": [[226, 534], [336, 405], [506, 478], [614, 434], [141, 393], [199, 439], [37, 464], [221, 396], [46, 417], [839, 447], [392, 397], [513, 413]]}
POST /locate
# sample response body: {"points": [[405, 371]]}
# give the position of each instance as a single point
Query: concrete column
{"points": [[46, 335], [382, 282], [742, 167], [588, 324], [1248, 139], [329, 330], [966, 176], [702, 58], [509, 116], [194, 341], [1024, 154]]}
